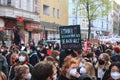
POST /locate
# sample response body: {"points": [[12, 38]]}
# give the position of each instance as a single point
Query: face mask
{"points": [[22, 59], [23, 47], [69, 49], [115, 75], [95, 47], [81, 64], [57, 57], [73, 72], [38, 48], [82, 70], [107, 45], [101, 62], [95, 60], [2, 50], [42, 54], [28, 51], [28, 76], [54, 77]]}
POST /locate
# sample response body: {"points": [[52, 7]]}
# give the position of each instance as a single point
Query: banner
{"points": [[70, 37]]}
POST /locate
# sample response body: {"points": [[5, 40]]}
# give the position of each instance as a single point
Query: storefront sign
{"points": [[10, 24], [32, 26], [70, 37]]}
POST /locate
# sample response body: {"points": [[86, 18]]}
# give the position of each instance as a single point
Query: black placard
{"points": [[70, 37]]}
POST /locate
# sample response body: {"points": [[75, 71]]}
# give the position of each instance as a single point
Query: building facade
{"points": [[100, 26], [53, 13], [19, 19], [115, 19]]}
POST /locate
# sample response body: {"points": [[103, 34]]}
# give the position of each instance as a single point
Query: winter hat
{"points": [[116, 49]]}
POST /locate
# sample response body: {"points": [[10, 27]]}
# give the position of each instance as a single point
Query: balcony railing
{"points": [[9, 11]]}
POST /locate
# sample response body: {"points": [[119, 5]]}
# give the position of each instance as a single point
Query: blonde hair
{"points": [[3, 76], [20, 69], [90, 69], [67, 64], [106, 59], [55, 53]]}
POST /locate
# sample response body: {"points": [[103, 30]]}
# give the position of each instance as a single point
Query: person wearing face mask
{"points": [[114, 72], [88, 69], [3, 64], [102, 66], [2, 50], [33, 57], [69, 70], [23, 58], [22, 73]]}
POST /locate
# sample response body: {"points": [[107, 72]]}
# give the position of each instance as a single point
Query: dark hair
{"points": [[90, 55], [25, 54], [117, 64], [32, 47], [42, 70], [84, 77]]}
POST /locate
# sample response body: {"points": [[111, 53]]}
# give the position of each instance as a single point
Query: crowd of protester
{"points": [[95, 61]]}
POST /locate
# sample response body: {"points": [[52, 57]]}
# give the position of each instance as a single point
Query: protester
{"points": [[114, 72], [22, 73], [33, 56], [3, 64], [23, 58], [102, 66], [43, 70], [69, 70], [88, 69]]}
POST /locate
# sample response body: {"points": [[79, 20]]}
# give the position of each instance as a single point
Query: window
{"points": [[46, 10], [53, 12], [35, 6], [58, 13], [0, 2], [8, 2], [73, 22], [83, 23], [28, 5], [19, 3]]}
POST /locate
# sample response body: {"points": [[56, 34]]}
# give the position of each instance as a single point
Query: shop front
{"points": [[33, 31]]}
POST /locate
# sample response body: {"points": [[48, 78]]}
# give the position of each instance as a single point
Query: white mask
{"points": [[2, 50], [95, 60], [58, 57], [21, 58], [28, 76], [80, 64], [23, 47], [28, 51], [115, 75], [73, 72], [83, 70], [42, 54], [107, 45], [55, 77], [38, 48], [95, 47]]}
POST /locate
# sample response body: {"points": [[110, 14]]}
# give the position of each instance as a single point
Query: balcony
{"points": [[9, 11]]}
